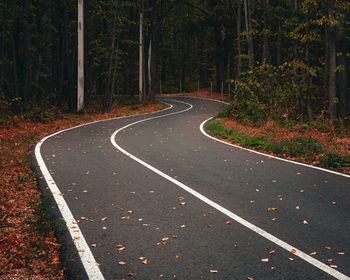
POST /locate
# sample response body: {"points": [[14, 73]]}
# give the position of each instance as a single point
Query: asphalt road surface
{"points": [[160, 200]]}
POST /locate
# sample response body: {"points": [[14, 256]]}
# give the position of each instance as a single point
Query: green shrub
{"points": [[270, 92], [299, 146], [333, 160], [294, 147]]}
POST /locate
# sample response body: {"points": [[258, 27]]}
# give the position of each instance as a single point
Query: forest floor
{"points": [[312, 143], [28, 247]]}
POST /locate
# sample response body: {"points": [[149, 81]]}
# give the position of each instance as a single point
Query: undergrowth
{"points": [[300, 147]]}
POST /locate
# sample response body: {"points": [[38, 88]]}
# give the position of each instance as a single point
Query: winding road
{"points": [[153, 197]]}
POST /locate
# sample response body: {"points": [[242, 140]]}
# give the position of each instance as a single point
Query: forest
{"points": [[279, 59], [283, 65]]}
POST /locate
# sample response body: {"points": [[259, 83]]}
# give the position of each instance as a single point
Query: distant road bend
{"points": [[155, 198]]}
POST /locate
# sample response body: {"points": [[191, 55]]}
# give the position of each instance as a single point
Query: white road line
{"points": [[336, 274], [267, 155], [85, 254], [200, 98]]}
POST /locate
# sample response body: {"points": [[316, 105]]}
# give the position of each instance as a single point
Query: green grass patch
{"points": [[294, 147], [333, 160]]}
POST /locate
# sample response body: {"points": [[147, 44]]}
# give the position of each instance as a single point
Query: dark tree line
{"points": [[185, 42]]}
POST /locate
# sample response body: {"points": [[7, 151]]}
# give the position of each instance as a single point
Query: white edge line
{"points": [[90, 265], [256, 152], [197, 97], [267, 155], [261, 232]]}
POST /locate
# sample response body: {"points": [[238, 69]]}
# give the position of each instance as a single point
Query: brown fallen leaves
{"points": [[24, 249]]}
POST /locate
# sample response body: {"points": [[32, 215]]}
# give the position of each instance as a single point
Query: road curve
{"points": [[140, 224]]}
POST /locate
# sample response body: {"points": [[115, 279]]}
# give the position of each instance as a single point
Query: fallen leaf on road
{"points": [[165, 238], [125, 218], [93, 245], [265, 260], [122, 263], [146, 261], [228, 222], [271, 209], [328, 248], [273, 252], [341, 253], [297, 207], [118, 207], [313, 253], [120, 247], [305, 222], [183, 226], [291, 259], [104, 218], [177, 257], [250, 278], [333, 266], [213, 271]]}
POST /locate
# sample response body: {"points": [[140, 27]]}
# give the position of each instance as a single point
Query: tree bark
{"points": [[332, 65], [239, 46], [26, 61], [343, 77], [266, 43], [108, 96], [248, 27]]}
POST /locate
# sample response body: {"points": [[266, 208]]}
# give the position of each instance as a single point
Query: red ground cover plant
{"points": [[26, 251]]}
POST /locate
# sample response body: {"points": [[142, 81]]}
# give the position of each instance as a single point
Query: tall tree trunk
{"points": [[26, 53], [307, 82], [332, 65], [248, 27], [266, 38], [14, 59], [279, 45], [343, 90], [108, 96], [239, 46], [149, 71]]}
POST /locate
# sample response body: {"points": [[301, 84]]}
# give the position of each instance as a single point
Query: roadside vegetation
{"points": [[282, 65], [28, 247], [298, 141]]}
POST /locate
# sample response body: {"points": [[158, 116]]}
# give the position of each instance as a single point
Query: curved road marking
{"points": [[85, 254], [336, 274], [267, 155]]}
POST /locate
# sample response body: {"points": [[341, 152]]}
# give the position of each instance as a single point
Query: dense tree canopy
{"points": [[282, 58]]}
